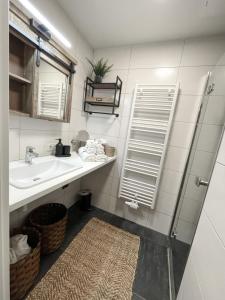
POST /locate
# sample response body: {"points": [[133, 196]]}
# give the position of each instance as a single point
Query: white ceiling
{"points": [[107, 23]]}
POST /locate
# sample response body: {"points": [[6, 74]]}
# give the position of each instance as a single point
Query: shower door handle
{"points": [[200, 181]]}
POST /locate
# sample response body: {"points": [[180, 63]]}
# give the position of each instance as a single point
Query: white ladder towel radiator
{"points": [[149, 128]]}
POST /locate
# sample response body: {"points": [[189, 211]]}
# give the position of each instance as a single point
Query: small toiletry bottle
{"points": [[59, 148]]}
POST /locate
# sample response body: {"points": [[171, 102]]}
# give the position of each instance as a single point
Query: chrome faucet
{"points": [[30, 154]]}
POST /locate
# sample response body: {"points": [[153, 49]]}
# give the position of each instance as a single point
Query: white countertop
{"points": [[21, 197]]}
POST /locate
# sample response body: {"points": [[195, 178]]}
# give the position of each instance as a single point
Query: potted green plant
{"points": [[100, 68]]}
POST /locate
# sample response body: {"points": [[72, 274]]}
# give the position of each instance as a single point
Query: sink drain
{"points": [[36, 178]]}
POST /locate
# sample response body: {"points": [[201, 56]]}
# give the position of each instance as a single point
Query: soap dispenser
{"points": [[59, 148]]}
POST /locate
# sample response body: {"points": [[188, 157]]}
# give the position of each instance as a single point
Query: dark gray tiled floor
{"points": [[151, 279], [180, 252]]}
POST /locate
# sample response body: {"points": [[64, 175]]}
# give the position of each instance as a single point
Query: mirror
{"points": [[53, 90]]}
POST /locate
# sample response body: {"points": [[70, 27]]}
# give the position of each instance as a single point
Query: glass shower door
{"points": [[200, 163]]}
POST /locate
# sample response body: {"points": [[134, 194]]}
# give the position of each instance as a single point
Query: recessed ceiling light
{"points": [[42, 19]]}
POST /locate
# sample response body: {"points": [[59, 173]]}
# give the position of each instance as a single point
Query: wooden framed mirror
{"points": [[41, 72], [53, 90]]}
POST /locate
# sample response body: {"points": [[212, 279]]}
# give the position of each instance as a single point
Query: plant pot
{"points": [[98, 79]]}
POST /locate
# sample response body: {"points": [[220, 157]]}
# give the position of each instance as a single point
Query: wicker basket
{"points": [[109, 151], [23, 272], [50, 219]]}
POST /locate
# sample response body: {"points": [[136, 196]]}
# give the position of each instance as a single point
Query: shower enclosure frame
{"points": [[207, 89]]}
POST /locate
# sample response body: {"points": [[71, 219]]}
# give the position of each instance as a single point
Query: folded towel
{"points": [[19, 244], [100, 149], [91, 150], [101, 157], [100, 152], [90, 143], [82, 150], [87, 157]]}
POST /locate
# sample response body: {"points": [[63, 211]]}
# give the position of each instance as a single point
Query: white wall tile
{"points": [[81, 74], [78, 120], [165, 203], [181, 134], [101, 201], [154, 55], [78, 96], [124, 124], [126, 104], [14, 121], [190, 288], [159, 222], [175, 158], [190, 210], [170, 181], [218, 77], [209, 137], [208, 247], [14, 142], [221, 154], [207, 250], [42, 141], [203, 51], [215, 209], [101, 125], [151, 76], [187, 108], [185, 231], [119, 57], [38, 124], [192, 79], [202, 164], [193, 191], [215, 111]]}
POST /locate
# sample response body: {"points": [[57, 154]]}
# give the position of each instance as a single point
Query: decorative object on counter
{"points": [[59, 148], [80, 140], [92, 151], [75, 145], [109, 150], [88, 157], [104, 96], [50, 219], [100, 68], [85, 200], [24, 271], [62, 150], [66, 151]]}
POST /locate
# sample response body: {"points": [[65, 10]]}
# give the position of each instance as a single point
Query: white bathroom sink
{"points": [[42, 169]]}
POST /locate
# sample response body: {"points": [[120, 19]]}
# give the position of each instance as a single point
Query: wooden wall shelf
{"points": [[92, 88], [21, 70], [19, 113], [19, 78]]}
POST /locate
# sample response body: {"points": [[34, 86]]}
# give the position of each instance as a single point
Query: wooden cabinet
{"points": [[40, 73], [21, 75]]}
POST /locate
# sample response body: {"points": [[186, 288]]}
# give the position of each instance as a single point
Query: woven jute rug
{"points": [[99, 263]]}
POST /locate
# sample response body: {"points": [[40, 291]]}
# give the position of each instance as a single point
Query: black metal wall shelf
{"points": [[111, 102]]}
